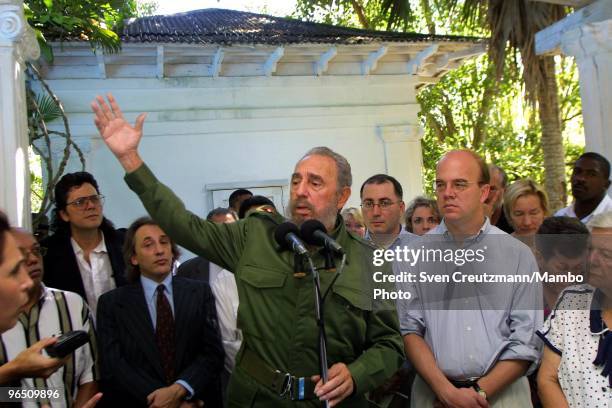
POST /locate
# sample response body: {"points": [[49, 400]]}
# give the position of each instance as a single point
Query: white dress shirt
{"points": [[97, 274], [604, 206], [226, 300]]}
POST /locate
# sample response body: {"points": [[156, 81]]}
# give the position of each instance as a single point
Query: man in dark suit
{"points": [[158, 337], [84, 255]]}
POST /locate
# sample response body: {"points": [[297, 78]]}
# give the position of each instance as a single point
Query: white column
{"points": [[403, 157], [591, 45], [17, 44]]}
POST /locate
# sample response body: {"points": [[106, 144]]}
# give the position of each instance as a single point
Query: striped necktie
{"points": [[164, 334]]}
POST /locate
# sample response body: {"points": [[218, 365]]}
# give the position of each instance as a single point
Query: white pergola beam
{"points": [[548, 40], [272, 61], [322, 64], [371, 62], [217, 61]]}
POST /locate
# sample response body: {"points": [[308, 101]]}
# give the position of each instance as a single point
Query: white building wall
{"points": [[238, 130]]}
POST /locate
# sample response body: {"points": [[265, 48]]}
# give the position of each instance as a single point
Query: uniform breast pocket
{"points": [[263, 300]]}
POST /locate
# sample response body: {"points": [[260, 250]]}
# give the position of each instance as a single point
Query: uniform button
{"points": [[471, 357], [468, 328]]}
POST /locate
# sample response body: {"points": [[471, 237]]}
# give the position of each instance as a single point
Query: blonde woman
{"points": [[526, 206], [353, 221]]}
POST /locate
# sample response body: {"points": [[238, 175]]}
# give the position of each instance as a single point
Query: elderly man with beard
{"points": [[277, 364]]}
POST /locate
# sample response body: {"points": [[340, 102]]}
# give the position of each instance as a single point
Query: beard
{"points": [[326, 215]]}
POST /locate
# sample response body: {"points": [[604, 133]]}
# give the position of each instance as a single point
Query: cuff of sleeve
{"points": [[139, 179], [359, 372], [187, 387], [522, 352], [411, 330], [548, 343]]}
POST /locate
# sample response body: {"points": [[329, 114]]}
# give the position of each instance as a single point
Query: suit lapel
{"points": [[182, 294], [72, 275], [140, 325]]}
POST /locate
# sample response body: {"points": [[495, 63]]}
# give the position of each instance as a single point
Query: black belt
{"points": [[464, 383], [282, 383]]}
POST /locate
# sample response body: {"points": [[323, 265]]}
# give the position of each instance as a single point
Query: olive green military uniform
{"points": [[276, 312]]}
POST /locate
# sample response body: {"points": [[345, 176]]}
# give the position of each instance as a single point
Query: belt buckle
{"points": [[286, 389]]}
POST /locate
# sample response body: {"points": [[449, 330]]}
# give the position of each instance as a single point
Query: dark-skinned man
{"points": [[590, 182]]}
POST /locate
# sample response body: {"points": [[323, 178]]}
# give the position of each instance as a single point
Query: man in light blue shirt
{"points": [[382, 206], [469, 326], [159, 337]]}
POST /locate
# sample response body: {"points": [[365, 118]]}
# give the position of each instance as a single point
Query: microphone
{"points": [[286, 235], [314, 233]]}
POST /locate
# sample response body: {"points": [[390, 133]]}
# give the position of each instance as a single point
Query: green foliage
{"points": [[95, 21], [146, 8], [37, 188], [449, 112], [425, 16], [48, 110], [469, 108]]}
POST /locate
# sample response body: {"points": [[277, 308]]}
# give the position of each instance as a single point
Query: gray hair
{"points": [[502, 173], [603, 220], [345, 178]]}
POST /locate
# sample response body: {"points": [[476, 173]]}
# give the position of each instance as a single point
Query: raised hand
{"points": [[120, 136]]}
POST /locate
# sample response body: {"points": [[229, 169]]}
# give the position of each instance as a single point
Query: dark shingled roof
{"points": [[227, 27]]}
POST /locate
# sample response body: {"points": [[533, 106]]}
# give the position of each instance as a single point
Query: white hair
{"points": [[603, 220]]}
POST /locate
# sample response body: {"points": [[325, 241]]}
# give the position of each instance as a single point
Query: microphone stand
{"points": [[319, 302]]}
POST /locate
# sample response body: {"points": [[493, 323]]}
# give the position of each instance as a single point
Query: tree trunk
{"points": [[552, 141], [491, 86], [427, 12], [358, 9]]}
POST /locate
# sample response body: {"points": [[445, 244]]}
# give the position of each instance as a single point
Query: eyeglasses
{"points": [[456, 185], [37, 251], [382, 204], [81, 203]]}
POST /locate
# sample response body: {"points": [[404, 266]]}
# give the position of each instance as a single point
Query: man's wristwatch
{"points": [[479, 390]]}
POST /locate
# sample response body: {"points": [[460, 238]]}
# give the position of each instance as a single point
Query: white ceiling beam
{"points": [[548, 40], [160, 61], [321, 65], [217, 61], [417, 64], [371, 62], [272, 61], [100, 62]]}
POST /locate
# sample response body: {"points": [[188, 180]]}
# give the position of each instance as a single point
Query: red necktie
{"points": [[164, 334]]}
